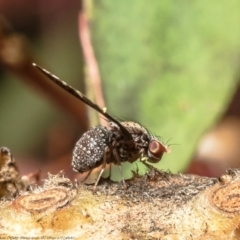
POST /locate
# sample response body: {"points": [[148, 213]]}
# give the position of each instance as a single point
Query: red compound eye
{"points": [[156, 150]]}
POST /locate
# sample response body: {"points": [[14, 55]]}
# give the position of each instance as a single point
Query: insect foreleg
{"points": [[143, 158], [147, 165]]}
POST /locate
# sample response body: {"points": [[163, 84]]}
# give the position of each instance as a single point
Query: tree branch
{"points": [[158, 205]]}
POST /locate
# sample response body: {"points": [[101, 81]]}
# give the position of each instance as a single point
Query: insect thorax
{"points": [[128, 150]]}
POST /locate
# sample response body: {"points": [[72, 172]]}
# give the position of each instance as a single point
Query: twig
{"points": [[91, 62]]}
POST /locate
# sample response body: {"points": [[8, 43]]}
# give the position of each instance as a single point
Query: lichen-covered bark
{"points": [[10, 179], [158, 205]]}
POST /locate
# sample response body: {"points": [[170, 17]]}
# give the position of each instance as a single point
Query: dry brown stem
{"points": [[90, 59]]}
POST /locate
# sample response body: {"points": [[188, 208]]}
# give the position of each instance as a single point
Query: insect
{"points": [[117, 143]]}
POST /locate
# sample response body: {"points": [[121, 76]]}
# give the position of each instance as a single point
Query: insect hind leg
{"points": [[103, 167], [115, 153], [88, 174]]}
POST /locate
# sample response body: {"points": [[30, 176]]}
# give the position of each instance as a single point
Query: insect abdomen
{"points": [[89, 150]]}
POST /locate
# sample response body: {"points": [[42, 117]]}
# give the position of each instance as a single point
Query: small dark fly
{"points": [[119, 142]]}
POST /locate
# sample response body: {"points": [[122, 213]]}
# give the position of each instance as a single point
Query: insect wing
{"points": [[84, 99]]}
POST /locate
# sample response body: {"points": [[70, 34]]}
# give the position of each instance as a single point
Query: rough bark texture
{"points": [[158, 205]]}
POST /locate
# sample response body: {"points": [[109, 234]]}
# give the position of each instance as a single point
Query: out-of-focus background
{"points": [[172, 66]]}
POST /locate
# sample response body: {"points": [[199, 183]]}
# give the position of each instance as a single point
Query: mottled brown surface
{"points": [[10, 179], [159, 205]]}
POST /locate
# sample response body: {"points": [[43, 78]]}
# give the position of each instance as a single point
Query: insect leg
{"points": [[110, 171], [103, 167], [120, 166], [149, 167], [88, 174]]}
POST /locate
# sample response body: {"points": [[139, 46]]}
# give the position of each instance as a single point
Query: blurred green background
{"points": [[170, 65]]}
